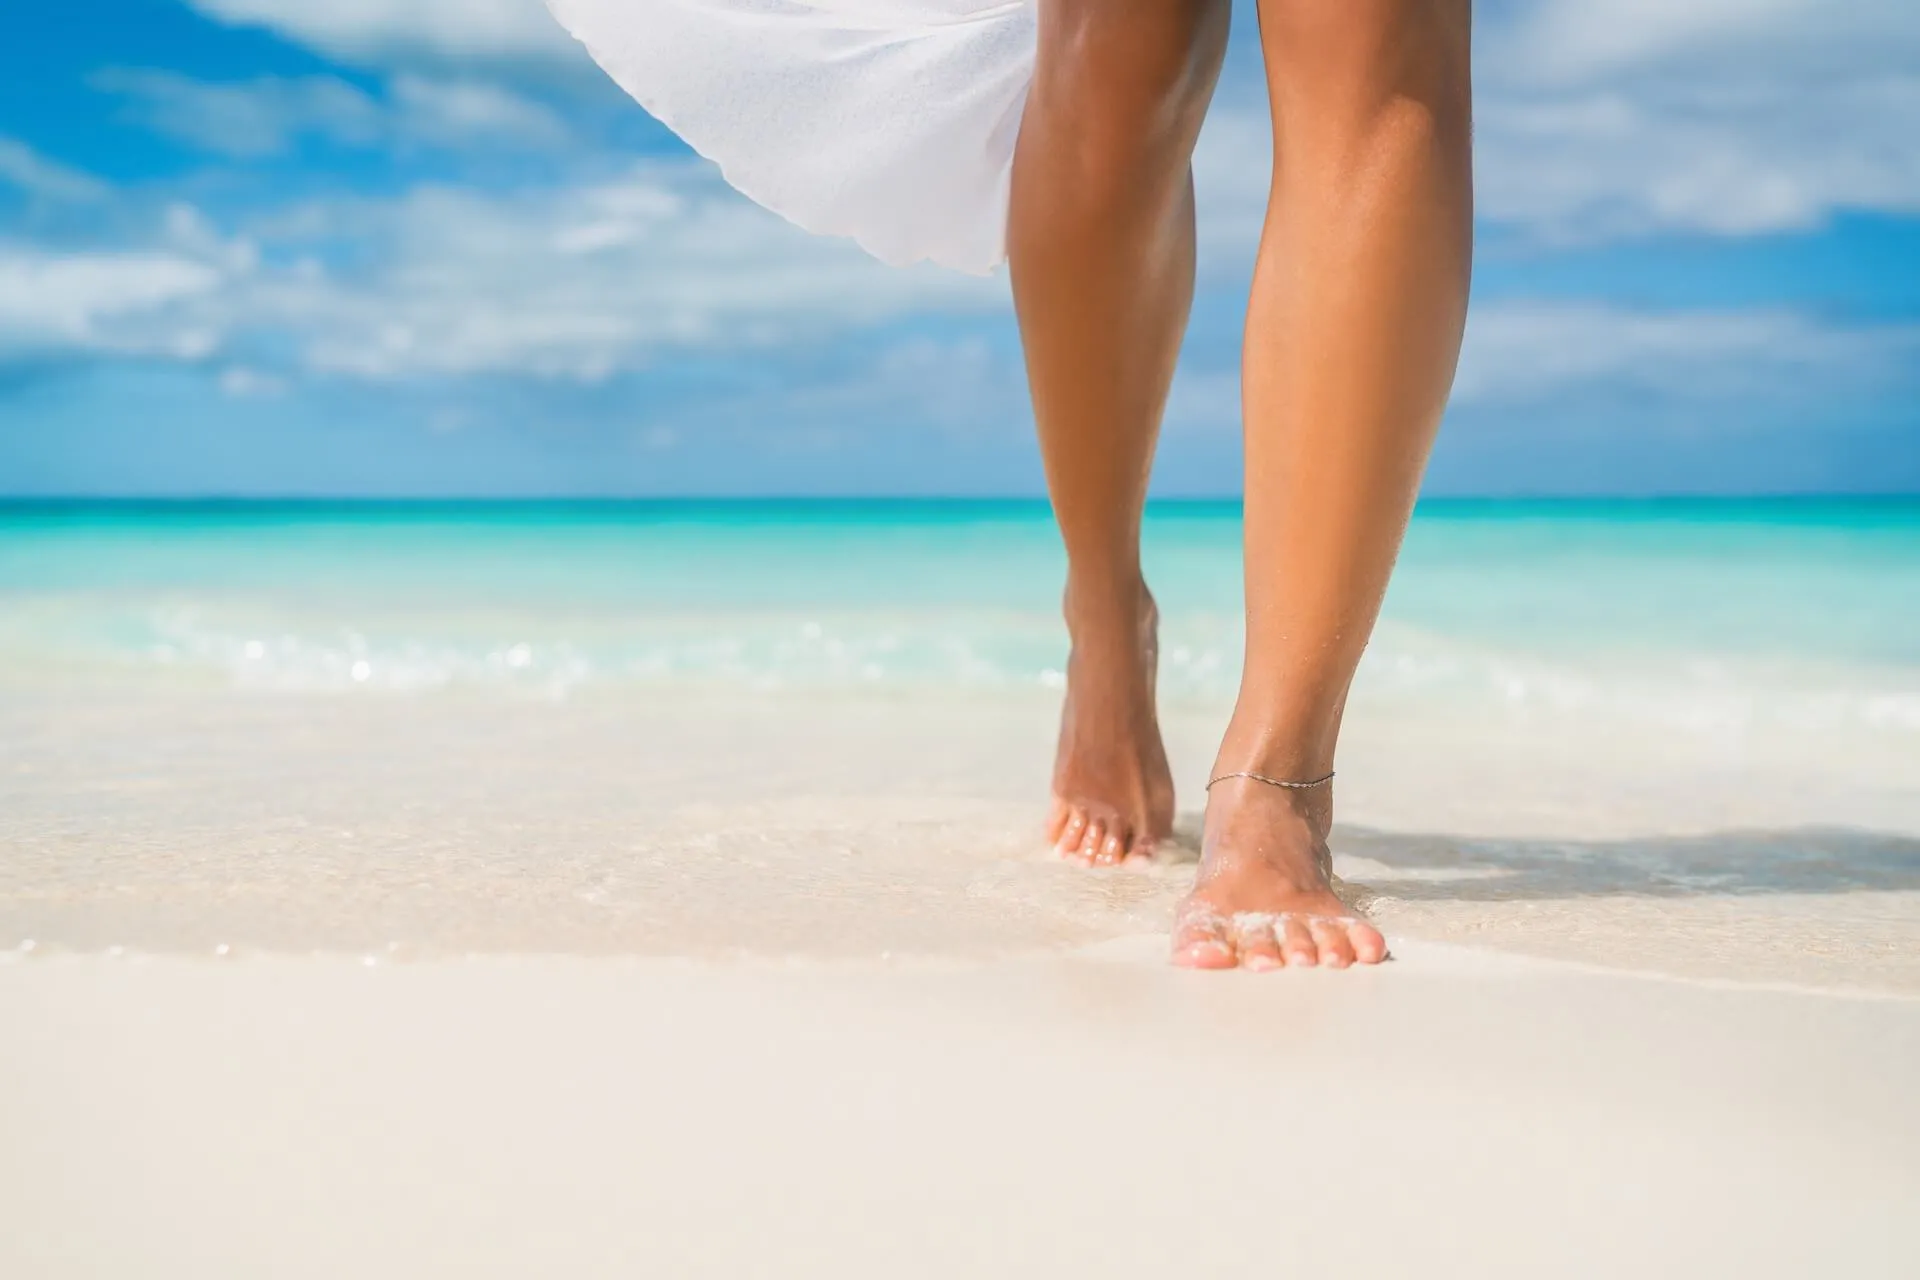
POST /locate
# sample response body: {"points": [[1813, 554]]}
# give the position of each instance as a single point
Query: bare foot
{"points": [[1112, 789], [1263, 898]]}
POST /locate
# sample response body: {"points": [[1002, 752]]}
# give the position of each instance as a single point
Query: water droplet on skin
{"points": [[222, 949], [28, 944], [362, 669]]}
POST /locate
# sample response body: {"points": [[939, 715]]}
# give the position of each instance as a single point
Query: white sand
{"points": [[730, 987], [1083, 1115]]}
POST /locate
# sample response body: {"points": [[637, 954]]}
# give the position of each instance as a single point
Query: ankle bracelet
{"points": [[1272, 782]]}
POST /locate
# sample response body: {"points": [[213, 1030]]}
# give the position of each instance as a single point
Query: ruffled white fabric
{"points": [[890, 121]]}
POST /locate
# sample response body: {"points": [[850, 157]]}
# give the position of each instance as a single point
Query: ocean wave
{"points": [[757, 653], [559, 657]]}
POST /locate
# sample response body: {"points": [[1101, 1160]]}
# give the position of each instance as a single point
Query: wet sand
{"points": [[843, 826]]}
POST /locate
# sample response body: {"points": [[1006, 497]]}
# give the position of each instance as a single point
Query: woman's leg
{"points": [[1359, 297], [1100, 243]]}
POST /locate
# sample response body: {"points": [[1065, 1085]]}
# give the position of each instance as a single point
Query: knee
{"points": [[1367, 54], [1129, 82]]}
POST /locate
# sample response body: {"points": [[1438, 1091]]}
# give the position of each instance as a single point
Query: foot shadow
{"points": [[1423, 867]]}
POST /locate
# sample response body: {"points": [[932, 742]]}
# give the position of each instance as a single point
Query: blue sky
{"points": [[424, 247]]}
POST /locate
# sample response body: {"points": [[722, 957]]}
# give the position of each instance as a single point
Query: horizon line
{"points": [[1232, 499]]}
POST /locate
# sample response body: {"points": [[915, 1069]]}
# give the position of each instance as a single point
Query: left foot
{"points": [[1264, 895], [1112, 789]]}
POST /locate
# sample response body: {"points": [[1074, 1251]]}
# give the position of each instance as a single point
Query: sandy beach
{"points": [[1092, 1113], [494, 986]]}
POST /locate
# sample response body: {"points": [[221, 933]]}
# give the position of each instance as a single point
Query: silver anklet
{"points": [[1272, 782]]}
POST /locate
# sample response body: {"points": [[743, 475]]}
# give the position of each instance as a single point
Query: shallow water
{"points": [[1490, 596]]}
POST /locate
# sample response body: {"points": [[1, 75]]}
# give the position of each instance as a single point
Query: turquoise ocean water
{"points": [[1685, 608]]}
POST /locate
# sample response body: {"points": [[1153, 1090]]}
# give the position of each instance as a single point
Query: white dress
{"points": [[890, 121]]}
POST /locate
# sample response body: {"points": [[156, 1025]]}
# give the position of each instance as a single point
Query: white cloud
{"points": [[1725, 159], [23, 167], [1580, 42], [1528, 351], [575, 282], [1724, 117], [1599, 121], [471, 112], [245, 119], [267, 115], [102, 302], [585, 281], [384, 31]]}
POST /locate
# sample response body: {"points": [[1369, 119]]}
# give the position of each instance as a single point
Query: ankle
{"points": [[1102, 605], [1294, 749], [1250, 822]]}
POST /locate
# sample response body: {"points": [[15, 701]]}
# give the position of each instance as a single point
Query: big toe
{"points": [[1200, 941]]}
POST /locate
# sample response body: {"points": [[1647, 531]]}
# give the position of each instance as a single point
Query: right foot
{"points": [[1263, 897], [1112, 789]]}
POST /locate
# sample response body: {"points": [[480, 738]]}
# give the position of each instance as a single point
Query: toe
{"points": [[1336, 952], [1296, 942], [1071, 832], [1200, 942], [1114, 847], [1259, 948], [1096, 835], [1056, 826], [1368, 946]]}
